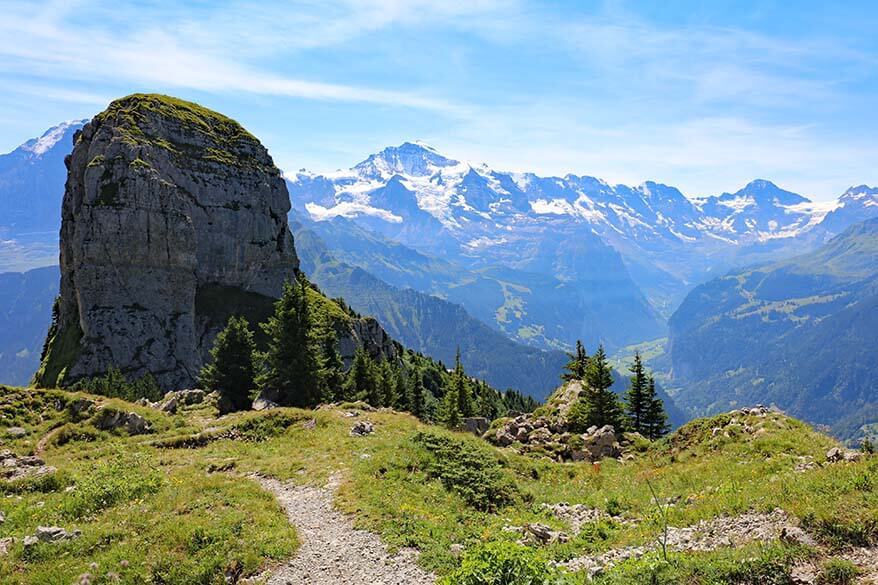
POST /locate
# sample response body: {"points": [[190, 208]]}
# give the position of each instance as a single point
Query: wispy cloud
{"points": [[601, 88], [188, 56]]}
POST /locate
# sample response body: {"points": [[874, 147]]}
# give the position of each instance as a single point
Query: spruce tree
{"points": [[231, 370], [400, 391], [637, 401], [290, 366], [461, 388], [362, 383], [416, 394], [331, 366], [387, 380], [449, 412], [656, 418], [602, 403], [578, 364]]}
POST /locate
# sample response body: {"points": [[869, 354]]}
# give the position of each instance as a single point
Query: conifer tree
{"points": [[578, 364], [461, 388], [231, 370], [450, 409], [637, 401], [290, 365], [416, 394], [362, 383], [387, 379], [401, 393], [331, 372], [602, 403], [656, 418]]}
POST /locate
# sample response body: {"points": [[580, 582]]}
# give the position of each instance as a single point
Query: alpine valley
{"points": [[196, 404]]}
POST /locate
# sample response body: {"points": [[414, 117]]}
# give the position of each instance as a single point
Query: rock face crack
{"points": [[332, 551]]}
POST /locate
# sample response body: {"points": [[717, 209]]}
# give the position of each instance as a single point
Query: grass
{"points": [[177, 506]]}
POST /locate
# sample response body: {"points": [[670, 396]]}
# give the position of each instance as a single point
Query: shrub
{"points": [[114, 384], [837, 572], [468, 469], [505, 563], [264, 427], [70, 433]]}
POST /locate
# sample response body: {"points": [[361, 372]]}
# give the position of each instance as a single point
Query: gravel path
{"points": [[332, 551]]}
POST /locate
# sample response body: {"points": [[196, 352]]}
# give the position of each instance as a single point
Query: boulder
{"points": [[540, 435], [169, 405], [50, 534], [13, 467], [362, 428], [108, 419], [601, 442], [81, 408], [16, 432], [476, 425]]}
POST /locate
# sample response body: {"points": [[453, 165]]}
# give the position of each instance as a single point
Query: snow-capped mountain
{"points": [[417, 196], [31, 187], [32, 179]]}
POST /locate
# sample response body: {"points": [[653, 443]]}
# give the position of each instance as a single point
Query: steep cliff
{"points": [[173, 217]]}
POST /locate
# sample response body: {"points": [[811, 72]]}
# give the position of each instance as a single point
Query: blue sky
{"points": [[701, 95]]}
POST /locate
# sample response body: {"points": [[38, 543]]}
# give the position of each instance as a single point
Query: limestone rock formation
{"points": [[171, 212], [547, 431]]}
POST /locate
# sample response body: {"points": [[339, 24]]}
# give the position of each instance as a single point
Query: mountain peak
{"points": [[409, 158], [51, 137], [764, 191]]}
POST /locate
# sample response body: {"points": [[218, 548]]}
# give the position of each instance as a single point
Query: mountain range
{"points": [[514, 267]]}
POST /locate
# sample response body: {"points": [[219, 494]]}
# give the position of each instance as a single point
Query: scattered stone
{"points": [[2, 517], [837, 454], [456, 549], [16, 432], [548, 434], [310, 424], [477, 425], [50, 534], [362, 428], [13, 467], [706, 535], [579, 515], [805, 463], [542, 534], [350, 413], [5, 543]]}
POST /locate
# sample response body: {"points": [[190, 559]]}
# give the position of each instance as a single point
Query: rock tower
{"points": [[174, 217]]}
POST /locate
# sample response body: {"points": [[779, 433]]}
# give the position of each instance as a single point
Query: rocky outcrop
{"points": [[174, 218], [164, 200], [547, 431]]}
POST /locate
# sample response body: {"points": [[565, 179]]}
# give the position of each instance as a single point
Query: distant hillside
{"points": [[25, 313], [431, 325], [801, 334]]}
